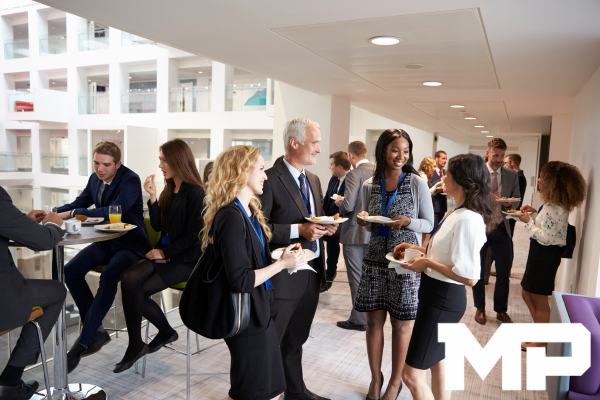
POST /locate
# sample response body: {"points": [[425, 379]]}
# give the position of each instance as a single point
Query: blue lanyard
{"points": [[256, 228], [384, 208], [437, 228]]}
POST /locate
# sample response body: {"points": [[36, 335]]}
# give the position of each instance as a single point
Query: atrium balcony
{"points": [[190, 99], [37, 105], [246, 97]]}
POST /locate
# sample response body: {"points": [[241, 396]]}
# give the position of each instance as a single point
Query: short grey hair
{"points": [[296, 129]]}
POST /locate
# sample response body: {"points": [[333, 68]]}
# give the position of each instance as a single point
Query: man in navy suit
{"points": [[339, 164], [112, 184], [440, 202]]}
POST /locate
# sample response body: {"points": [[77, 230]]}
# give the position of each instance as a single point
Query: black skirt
{"points": [[439, 302], [174, 272], [540, 271], [256, 368]]}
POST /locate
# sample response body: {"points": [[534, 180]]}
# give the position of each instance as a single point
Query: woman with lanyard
{"points": [[452, 261], [398, 192], [236, 228]]}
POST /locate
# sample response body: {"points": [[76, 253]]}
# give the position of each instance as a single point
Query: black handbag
{"points": [[567, 251], [208, 306]]}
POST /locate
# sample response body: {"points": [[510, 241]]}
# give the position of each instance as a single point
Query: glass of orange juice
{"points": [[114, 213]]}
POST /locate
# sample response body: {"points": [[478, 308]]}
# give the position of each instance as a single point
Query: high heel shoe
{"points": [[381, 387]]}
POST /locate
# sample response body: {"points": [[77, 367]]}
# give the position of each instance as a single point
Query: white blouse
{"points": [[432, 189], [549, 227], [458, 243]]}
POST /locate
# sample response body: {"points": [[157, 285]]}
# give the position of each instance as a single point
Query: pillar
{"points": [[222, 75], [560, 137]]}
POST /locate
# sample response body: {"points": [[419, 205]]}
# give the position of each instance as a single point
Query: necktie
{"points": [[101, 193], [441, 173], [495, 191], [336, 187], [307, 204]]}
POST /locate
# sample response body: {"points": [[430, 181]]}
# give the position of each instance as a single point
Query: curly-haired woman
{"points": [[562, 189], [426, 172], [235, 227]]}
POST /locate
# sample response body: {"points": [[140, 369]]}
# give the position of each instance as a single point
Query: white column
{"points": [[222, 75], [75, 25], [38, 26], [560, 137], [119, 84], [6, 33], [36, 161], [220, 139], [114, 38], [166, 75]]}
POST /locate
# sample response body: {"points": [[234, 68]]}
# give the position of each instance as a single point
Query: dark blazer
{"points": [[184, 223], [510, 188], [522, 185], [283, 206], [329, 207], [125, 190], [440, 202], [238, 249], [15, 296]]}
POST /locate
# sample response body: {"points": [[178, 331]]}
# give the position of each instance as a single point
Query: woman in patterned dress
{"points": [[382, 290], [562, 188]]}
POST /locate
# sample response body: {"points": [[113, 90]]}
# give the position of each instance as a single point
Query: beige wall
{"points": [[560, 137]]}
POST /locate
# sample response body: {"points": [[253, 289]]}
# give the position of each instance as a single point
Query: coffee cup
{"points": [[73, 226], [411, 254]]}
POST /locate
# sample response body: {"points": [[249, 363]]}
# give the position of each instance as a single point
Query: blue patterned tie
{"points": [[307, 204]]}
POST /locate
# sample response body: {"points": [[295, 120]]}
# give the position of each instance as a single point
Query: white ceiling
{"points": [[542, 51]]}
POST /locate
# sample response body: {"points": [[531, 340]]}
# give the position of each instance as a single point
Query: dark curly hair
{"points": [[470, 172], [563, 185], [387, 137]]}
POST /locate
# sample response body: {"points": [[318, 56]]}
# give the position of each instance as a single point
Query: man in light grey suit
{"points": [[505, 183], [19, 295], [353, 238]]}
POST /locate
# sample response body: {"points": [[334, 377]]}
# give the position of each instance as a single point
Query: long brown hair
{"points": [[562, 185], [229, 176], [181, 160]]}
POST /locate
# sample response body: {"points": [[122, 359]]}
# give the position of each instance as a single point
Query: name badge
{"points": [[383, 231]]}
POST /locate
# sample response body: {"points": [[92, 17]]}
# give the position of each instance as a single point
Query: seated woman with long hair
{"points": [[452, 262], [178, 216], [236, 229]]}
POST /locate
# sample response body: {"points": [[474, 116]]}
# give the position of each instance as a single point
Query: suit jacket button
{"points": [[25, 282]]}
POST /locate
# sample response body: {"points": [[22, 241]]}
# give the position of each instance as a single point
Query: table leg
{"points": [[62, 390]]}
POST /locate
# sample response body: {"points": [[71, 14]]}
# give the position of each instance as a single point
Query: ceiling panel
{"points": [[451, 46]]}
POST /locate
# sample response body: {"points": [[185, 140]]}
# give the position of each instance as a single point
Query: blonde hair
{"points": [[230, 175], [427, 167]]}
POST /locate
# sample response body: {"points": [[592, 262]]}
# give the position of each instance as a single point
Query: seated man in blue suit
{"points": [[112, 184], [339, 164]]}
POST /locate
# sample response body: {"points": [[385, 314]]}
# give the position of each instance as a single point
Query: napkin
{"points": [[300, 268]]}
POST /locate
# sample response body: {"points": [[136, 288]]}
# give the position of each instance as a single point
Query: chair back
{"points": [[152, 234], [35, 313]]}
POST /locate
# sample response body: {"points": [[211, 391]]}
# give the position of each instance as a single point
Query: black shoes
{"points": [[351, 326], [308, 395], [23, 391], [157, 343], [100, 339], [124, 366], [380, 387], [74, 356], [329, 281]]}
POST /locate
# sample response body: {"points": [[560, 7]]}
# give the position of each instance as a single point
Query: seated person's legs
{"points": [[50, 296]]}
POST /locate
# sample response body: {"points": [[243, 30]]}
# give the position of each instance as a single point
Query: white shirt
{"points": [[499, 172], [340, 184], [458, 243], [364, 160], [295, 174], [438, 171]]}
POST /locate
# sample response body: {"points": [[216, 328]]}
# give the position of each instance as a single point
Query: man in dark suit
{"points": [[440, 202], [513, 161], [290, 195], [339, 164], [505, 183], [19, 295], [112, 184]]}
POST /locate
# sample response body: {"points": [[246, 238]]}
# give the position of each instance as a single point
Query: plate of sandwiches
{"points": [[508, 200], [378, 219], [326, 220], [87, 220], [119, 227]]}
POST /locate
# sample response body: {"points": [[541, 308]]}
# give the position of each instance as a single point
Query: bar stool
{"points": [[36, 313]]}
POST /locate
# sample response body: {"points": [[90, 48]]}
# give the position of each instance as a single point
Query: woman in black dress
{"points": [[178, 216], [236, 229], [381, 290]]}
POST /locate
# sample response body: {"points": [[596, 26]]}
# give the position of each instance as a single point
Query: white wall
{"points": [[580, 275], [560, 137], [451, 147]]}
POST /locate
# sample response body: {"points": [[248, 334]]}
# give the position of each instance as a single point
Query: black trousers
{"points": [[502, 250], [333, 251], [293, 319]]}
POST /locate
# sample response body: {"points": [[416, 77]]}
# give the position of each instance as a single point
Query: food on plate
{"points": [[81, 218], [118, 226], [321, 218], [338, 219], [506, 198], [368, 217], [513, 211]]}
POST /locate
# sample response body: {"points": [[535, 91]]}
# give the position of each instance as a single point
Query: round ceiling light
{"points": [[485, 131], [414, 66], [489, 136], [470, 118], [432, 83], [385, 40], [199, 72], [478, 126], [457, 106]]}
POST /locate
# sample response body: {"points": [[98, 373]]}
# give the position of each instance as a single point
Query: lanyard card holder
{"points": [[383, 231]]}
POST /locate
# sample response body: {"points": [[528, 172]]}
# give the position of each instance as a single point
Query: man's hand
{"points": [[37, 215], [331, 228], [502, 203], [360, 221], [65, 214], [155, 254], [339, 200], [54, 218], [311, 232]]}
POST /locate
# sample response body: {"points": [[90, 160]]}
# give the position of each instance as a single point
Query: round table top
{"points": [[88, 234]]}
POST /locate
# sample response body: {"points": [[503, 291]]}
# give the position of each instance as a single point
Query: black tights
{"points": [[138, 283]]}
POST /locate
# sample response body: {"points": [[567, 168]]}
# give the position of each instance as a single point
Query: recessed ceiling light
{"points": [[199, 72], [485, 131], [385, 40], [89, 80], [233, 85], [432, 83], [457, 106], [414, 66], [470, 118], [130, 77], [489, 136], [478, 126]]}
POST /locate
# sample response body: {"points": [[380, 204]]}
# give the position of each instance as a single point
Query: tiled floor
{"points": [[335, 360]]}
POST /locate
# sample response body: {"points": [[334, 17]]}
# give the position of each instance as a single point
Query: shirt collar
{"points": [[295, 173], [364, 160], [491, 169], [342, 179]]}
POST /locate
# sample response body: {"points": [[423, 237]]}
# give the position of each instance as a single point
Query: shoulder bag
{"points": [[567, 251]]}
